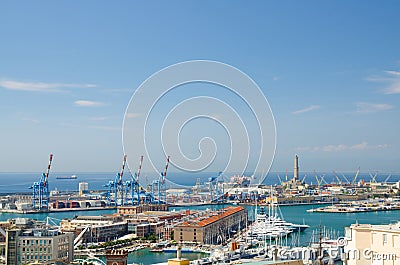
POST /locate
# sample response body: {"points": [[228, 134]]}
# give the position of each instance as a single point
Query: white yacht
{"points": [[268, 226]]}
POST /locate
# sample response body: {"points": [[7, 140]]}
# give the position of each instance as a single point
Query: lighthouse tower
{"points": [[296, 168]]}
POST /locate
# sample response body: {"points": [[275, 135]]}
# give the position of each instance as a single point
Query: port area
{"points": [[69, 202], [51, 210], [93, 201], [360, 206]]}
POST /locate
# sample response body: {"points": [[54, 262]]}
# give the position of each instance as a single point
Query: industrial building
{"points": [[83, 188], [152, 222], [211, 227], [132, 210], [30, 241], [145, 229], [98, 228]]}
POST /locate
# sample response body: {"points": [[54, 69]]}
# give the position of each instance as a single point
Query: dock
{"points": [[358, 207]]}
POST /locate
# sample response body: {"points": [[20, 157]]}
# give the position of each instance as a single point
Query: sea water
{"points": [[21, 182]]}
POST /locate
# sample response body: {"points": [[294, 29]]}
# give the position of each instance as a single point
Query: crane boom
{"points": [[387, 179], [317, 179], [46, 176], [122, 170], [373, 178], [164, 174], [337, 178], [280, 180], [140, 167], [347, 180], [323, 179], [355, 177], [304, 178]]}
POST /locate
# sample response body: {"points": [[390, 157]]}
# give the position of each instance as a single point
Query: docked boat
{"points": [[271, 226], [275, 217], [279, 222], [263, 229]]}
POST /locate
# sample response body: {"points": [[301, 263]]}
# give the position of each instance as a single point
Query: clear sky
{"points": [[329, 69]]}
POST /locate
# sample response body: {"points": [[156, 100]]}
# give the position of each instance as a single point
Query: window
{"points": [[395, 241], [384, 239]]}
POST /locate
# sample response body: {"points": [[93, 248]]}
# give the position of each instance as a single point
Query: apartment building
{"points": [[372, 244], [30, 241]]}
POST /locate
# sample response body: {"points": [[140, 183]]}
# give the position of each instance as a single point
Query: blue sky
{"points": [[330, 71]]}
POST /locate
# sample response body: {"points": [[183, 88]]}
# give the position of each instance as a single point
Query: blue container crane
{"points": [[116, 188], [133, 187], [159, 186], [40, 194]]}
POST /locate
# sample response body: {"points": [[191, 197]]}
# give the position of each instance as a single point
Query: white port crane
{"points": [[355, 177]]}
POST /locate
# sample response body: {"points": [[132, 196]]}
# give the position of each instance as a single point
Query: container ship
{"points": [[67, 177]]}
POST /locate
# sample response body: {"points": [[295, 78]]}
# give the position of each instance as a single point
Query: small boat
{"points": [[157, 250], [183, 250], [67, 177]]}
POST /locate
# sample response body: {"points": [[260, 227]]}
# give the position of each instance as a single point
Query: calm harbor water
{"points": [[145, 257], [296, 214]]}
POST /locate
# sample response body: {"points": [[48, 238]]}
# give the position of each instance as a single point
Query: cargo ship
{"points": [[67, 177]]}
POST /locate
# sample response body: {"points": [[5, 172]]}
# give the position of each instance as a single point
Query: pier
{"points": [[359, 206]]}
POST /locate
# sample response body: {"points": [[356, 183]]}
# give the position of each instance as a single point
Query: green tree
{"points": [[152, 237]]}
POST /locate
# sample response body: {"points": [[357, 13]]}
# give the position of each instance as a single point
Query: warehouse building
{"points": [[211, 227]]}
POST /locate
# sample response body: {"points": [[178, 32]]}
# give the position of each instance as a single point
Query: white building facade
{"points": [[372, 244]]}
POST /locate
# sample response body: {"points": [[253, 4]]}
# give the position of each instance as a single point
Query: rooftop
{"points": [[206, 220], [389, 227]]}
